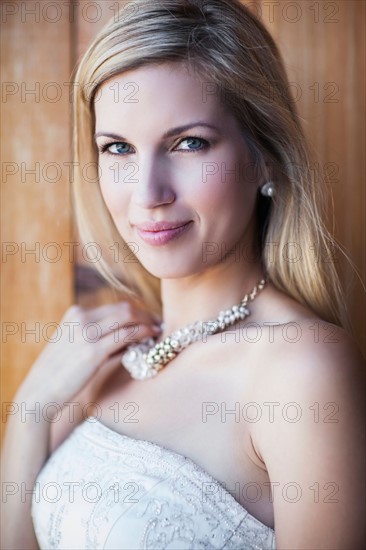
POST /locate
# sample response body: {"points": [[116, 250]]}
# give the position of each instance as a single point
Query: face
{"points": [[154, 170]]}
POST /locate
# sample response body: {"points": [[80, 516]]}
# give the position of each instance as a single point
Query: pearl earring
{"points": [[268, 189]]}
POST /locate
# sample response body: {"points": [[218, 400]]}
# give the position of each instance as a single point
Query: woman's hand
{"points": [[84, 340]]}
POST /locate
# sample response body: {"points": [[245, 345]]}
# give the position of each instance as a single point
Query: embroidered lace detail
{"points": [[101, 489]]}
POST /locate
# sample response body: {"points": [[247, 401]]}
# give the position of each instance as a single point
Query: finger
{"points": [[111, 364], [105, 310], [131, 323], [120, 312], [123, 337]]}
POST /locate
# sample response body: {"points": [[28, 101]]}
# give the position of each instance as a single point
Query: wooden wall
{"points": [[323, 46], [37, 276]]}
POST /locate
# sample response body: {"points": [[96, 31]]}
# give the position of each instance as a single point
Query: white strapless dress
{"points": [[101, 489]]}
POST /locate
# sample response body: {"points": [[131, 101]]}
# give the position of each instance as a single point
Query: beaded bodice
{"points": [[101, 489]]}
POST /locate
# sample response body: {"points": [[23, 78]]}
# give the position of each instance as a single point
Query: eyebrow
{"points": [[170, 133]]}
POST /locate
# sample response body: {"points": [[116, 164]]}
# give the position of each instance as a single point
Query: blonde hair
{"points": [[231, 50]]}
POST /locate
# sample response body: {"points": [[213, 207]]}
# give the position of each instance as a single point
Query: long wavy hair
{"points": [[229, 48]]}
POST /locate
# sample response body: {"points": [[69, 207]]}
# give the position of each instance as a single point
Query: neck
{"points": [[201, 296]]}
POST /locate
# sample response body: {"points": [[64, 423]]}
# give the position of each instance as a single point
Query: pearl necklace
{"points": [[146, 358]]}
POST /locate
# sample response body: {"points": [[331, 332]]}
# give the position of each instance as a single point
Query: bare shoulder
{"points": [[315, 346], [311, 434], [295, 334], [316, 349], [306, 360]]}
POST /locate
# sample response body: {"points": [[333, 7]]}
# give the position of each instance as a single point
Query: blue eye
{"points": [[117, 144], [192, 140], [195, 144]]}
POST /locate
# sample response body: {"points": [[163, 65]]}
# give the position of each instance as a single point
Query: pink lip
{"points": [[160, 237], [159, 226]]}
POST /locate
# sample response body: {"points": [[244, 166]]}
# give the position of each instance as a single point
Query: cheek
{"points": [[116, 203], [225, 194], [225, 204], [111, 190], [226, 183]]}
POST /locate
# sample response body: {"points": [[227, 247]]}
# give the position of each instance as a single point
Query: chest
{"points": [[200, 406]]}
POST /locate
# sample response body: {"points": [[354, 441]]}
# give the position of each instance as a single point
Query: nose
{"points": [[152, 187]]}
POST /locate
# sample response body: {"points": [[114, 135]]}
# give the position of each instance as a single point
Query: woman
{"points": [[234, 432]]}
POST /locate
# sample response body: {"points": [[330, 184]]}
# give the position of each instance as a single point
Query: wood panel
{"points": [[323, 45], [35, 209]]}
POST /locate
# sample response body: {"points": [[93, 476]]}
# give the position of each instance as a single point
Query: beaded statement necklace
{"points": [[147, 358]]}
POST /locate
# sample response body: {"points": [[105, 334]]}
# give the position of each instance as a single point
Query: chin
{"points": [[171, 268]]}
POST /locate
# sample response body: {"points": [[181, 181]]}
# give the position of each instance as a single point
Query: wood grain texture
{"points": [[35, 208], [323, 46]]}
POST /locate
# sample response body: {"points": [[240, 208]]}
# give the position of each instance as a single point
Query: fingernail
{"points": [[156, 328]]}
